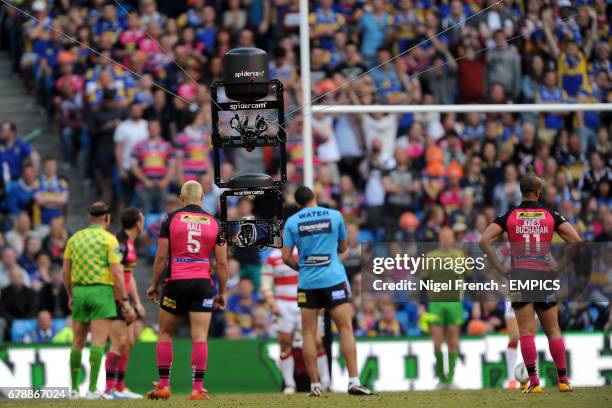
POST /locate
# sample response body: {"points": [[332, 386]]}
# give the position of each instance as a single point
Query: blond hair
{"points": [[192, 192]]}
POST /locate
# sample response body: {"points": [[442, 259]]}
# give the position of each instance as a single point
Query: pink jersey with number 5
{"points": [[192, 235]]}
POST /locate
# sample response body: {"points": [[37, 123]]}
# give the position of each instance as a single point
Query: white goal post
{"points": [[308, 108], [481, 108]]}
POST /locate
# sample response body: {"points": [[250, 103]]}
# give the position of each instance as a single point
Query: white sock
{"points": [[287, 366], [323, 369], [354, 381], [511, 356]]}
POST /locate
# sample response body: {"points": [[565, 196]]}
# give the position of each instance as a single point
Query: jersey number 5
{"points": [[193, 244]]}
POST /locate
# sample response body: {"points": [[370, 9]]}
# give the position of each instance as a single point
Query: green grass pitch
{"points": [[550, 398]]}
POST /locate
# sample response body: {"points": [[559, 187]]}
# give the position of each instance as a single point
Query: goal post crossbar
{"points": [[513, 108]]}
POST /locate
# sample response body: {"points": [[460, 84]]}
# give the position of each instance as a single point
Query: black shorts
{"points": [[542, 290], [327, 298], [543, 306], [187, 295]]}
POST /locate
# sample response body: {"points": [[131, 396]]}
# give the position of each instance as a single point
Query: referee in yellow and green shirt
{"points": [[92, 273]]}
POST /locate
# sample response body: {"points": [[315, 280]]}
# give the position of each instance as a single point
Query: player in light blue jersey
{"points": [[320, 235]]}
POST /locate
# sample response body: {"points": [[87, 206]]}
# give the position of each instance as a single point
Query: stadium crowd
{"points": [[125, 86]]}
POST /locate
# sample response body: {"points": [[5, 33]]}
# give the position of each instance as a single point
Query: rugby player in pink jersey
{"points": [[187, 240], [530, 227]]}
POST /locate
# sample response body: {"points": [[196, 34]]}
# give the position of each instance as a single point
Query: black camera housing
{"points": [[263, 232]]}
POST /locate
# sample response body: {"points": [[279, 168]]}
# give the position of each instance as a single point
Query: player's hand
{"points": [[219, 302], [152, 294], [70, 302], [140, 310], [128, 312]]}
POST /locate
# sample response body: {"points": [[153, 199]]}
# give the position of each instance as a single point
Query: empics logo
{"points": [[314, 227]]}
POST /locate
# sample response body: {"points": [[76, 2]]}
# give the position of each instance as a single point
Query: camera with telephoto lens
{"points": [[241, 103]]}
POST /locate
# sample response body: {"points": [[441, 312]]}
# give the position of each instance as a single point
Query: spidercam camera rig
{"points": [[247, 92]]}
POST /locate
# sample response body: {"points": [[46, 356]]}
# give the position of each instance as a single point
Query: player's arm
{"points": [[133, 292], [161, 260], [267, 284], [68, 279], [289, 243], [118, 283], [489, 236], [568, 233], [288, 257], [342, 236], [121, 291], [267, 287], [222, 274], [116, 267], [342, 246]]}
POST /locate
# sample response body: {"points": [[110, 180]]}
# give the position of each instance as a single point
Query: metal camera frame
{"points": [[251, 135]]}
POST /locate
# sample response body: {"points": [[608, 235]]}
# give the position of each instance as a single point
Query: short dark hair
{"points": [[530, 184], [303, 195], [130, 217], [98, 209]]}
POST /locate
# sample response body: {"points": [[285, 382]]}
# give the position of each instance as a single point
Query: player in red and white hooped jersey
{"points": [[279, 287], [188, 239]]}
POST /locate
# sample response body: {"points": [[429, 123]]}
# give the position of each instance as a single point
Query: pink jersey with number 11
{"points": [[192, 235], [530, 227]]}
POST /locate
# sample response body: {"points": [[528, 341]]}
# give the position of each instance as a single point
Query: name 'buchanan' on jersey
{"points": [[530, 227], [192, 235]]}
